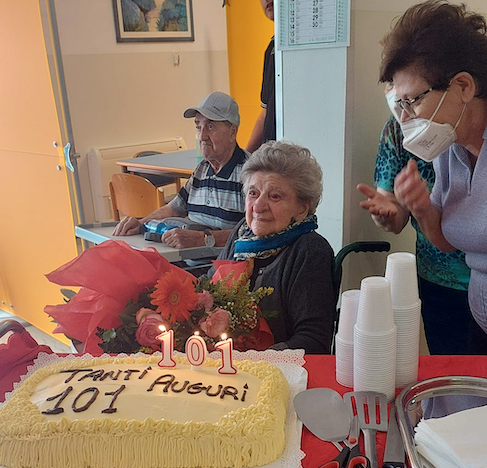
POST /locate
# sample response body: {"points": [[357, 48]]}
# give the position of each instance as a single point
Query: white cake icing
{"points": [[192, 404], [144, 429]]}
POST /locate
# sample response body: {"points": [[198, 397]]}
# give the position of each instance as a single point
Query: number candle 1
{"points": [[196, 351], [226, 347], [167, 347]]}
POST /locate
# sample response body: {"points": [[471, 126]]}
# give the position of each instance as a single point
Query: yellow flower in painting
{"points": [[174, 297]]}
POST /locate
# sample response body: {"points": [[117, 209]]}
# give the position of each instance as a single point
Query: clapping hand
{"points": [[376, 203], [411, 190]]}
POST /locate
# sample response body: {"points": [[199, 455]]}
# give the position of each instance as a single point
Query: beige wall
{"points": [[367, 112], [131, 93], [115, 95]]}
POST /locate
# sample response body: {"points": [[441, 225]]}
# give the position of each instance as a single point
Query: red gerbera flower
{"points": [[174, 297]]}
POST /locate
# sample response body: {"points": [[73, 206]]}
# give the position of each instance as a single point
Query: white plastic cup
{"points": [[373, 350], [375, 381], [344, 362], [408, 322], [375, 306], [346, 380], [402, 273], [348, 313], [343, 344], [387, 388], [374, 362], [407, 314], [373, 377]]}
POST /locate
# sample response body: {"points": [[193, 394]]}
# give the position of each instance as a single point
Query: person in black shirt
{"points": [[265, 126]]}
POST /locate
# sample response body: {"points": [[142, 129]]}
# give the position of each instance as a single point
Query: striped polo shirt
{"points": [[214, 200]]}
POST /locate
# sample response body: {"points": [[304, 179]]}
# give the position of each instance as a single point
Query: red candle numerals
{"points": [[226, 348], [196, 350], [167, 348]]}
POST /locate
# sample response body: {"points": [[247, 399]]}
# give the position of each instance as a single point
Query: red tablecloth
{"points": [[21, 350], [15, 355]]}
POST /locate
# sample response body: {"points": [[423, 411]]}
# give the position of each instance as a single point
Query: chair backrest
{"points": [[158, 179], [360, 246], [134, 196], [141, 154]]}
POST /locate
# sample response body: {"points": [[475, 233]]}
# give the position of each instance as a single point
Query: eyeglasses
{"points": [[407, 104]]}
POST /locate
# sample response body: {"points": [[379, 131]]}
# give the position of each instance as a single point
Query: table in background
{"points": [[177, 164], [101, 232]]}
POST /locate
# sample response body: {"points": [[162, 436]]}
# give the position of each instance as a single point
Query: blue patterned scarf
{"points": [[248, 245]]}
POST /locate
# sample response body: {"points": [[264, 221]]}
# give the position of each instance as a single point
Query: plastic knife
{"points": [[394, 454]]}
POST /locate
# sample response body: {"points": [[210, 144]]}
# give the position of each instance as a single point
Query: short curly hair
{"points": [[293, 162], [439, 40]]}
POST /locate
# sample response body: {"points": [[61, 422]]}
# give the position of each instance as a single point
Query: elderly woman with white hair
{"points": [[283, 185]]}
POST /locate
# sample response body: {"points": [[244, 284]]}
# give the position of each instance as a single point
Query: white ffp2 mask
{"points": [[427, 139]]}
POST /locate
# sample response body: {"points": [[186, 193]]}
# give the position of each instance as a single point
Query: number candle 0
{"points": [[196, 351], [167, 347], [226, 347]]}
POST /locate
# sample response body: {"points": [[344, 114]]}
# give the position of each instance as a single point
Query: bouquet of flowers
{"points": [[126, 295]]}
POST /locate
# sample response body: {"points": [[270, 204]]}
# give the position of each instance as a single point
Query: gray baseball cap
{"points": [[216, 106]]}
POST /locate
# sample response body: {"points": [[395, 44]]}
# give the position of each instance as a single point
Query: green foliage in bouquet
{"points": [[226, 306]]}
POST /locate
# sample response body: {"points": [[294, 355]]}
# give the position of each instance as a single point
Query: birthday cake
{"points": [[126, 412]]}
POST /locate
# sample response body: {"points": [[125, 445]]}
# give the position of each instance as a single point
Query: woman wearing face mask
{"points": [[442, 276], [436, 57], [283, 185]]}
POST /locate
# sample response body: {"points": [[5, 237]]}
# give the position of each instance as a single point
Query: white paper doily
{"points": [[289, 361]]}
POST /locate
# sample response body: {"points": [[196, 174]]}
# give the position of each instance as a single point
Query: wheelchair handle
{"points": [[360, 246]]}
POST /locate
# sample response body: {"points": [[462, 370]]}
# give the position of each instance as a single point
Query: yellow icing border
{"points": [[248, 437]]}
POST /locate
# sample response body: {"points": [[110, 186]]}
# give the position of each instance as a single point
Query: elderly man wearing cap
{"points": [[212, 196]]}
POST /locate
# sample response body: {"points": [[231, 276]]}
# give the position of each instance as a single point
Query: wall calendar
{"points": [[313, 24]]}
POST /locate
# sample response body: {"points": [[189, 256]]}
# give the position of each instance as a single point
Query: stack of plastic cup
{"points": [[344, 337], [406, 306], [374, 357]]}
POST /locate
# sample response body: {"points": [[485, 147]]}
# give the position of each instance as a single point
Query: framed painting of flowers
{"points": [[153, 20]]}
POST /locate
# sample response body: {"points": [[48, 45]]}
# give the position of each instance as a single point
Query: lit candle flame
{"points": [[162, 328], [224, 336], [196, 332]]}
